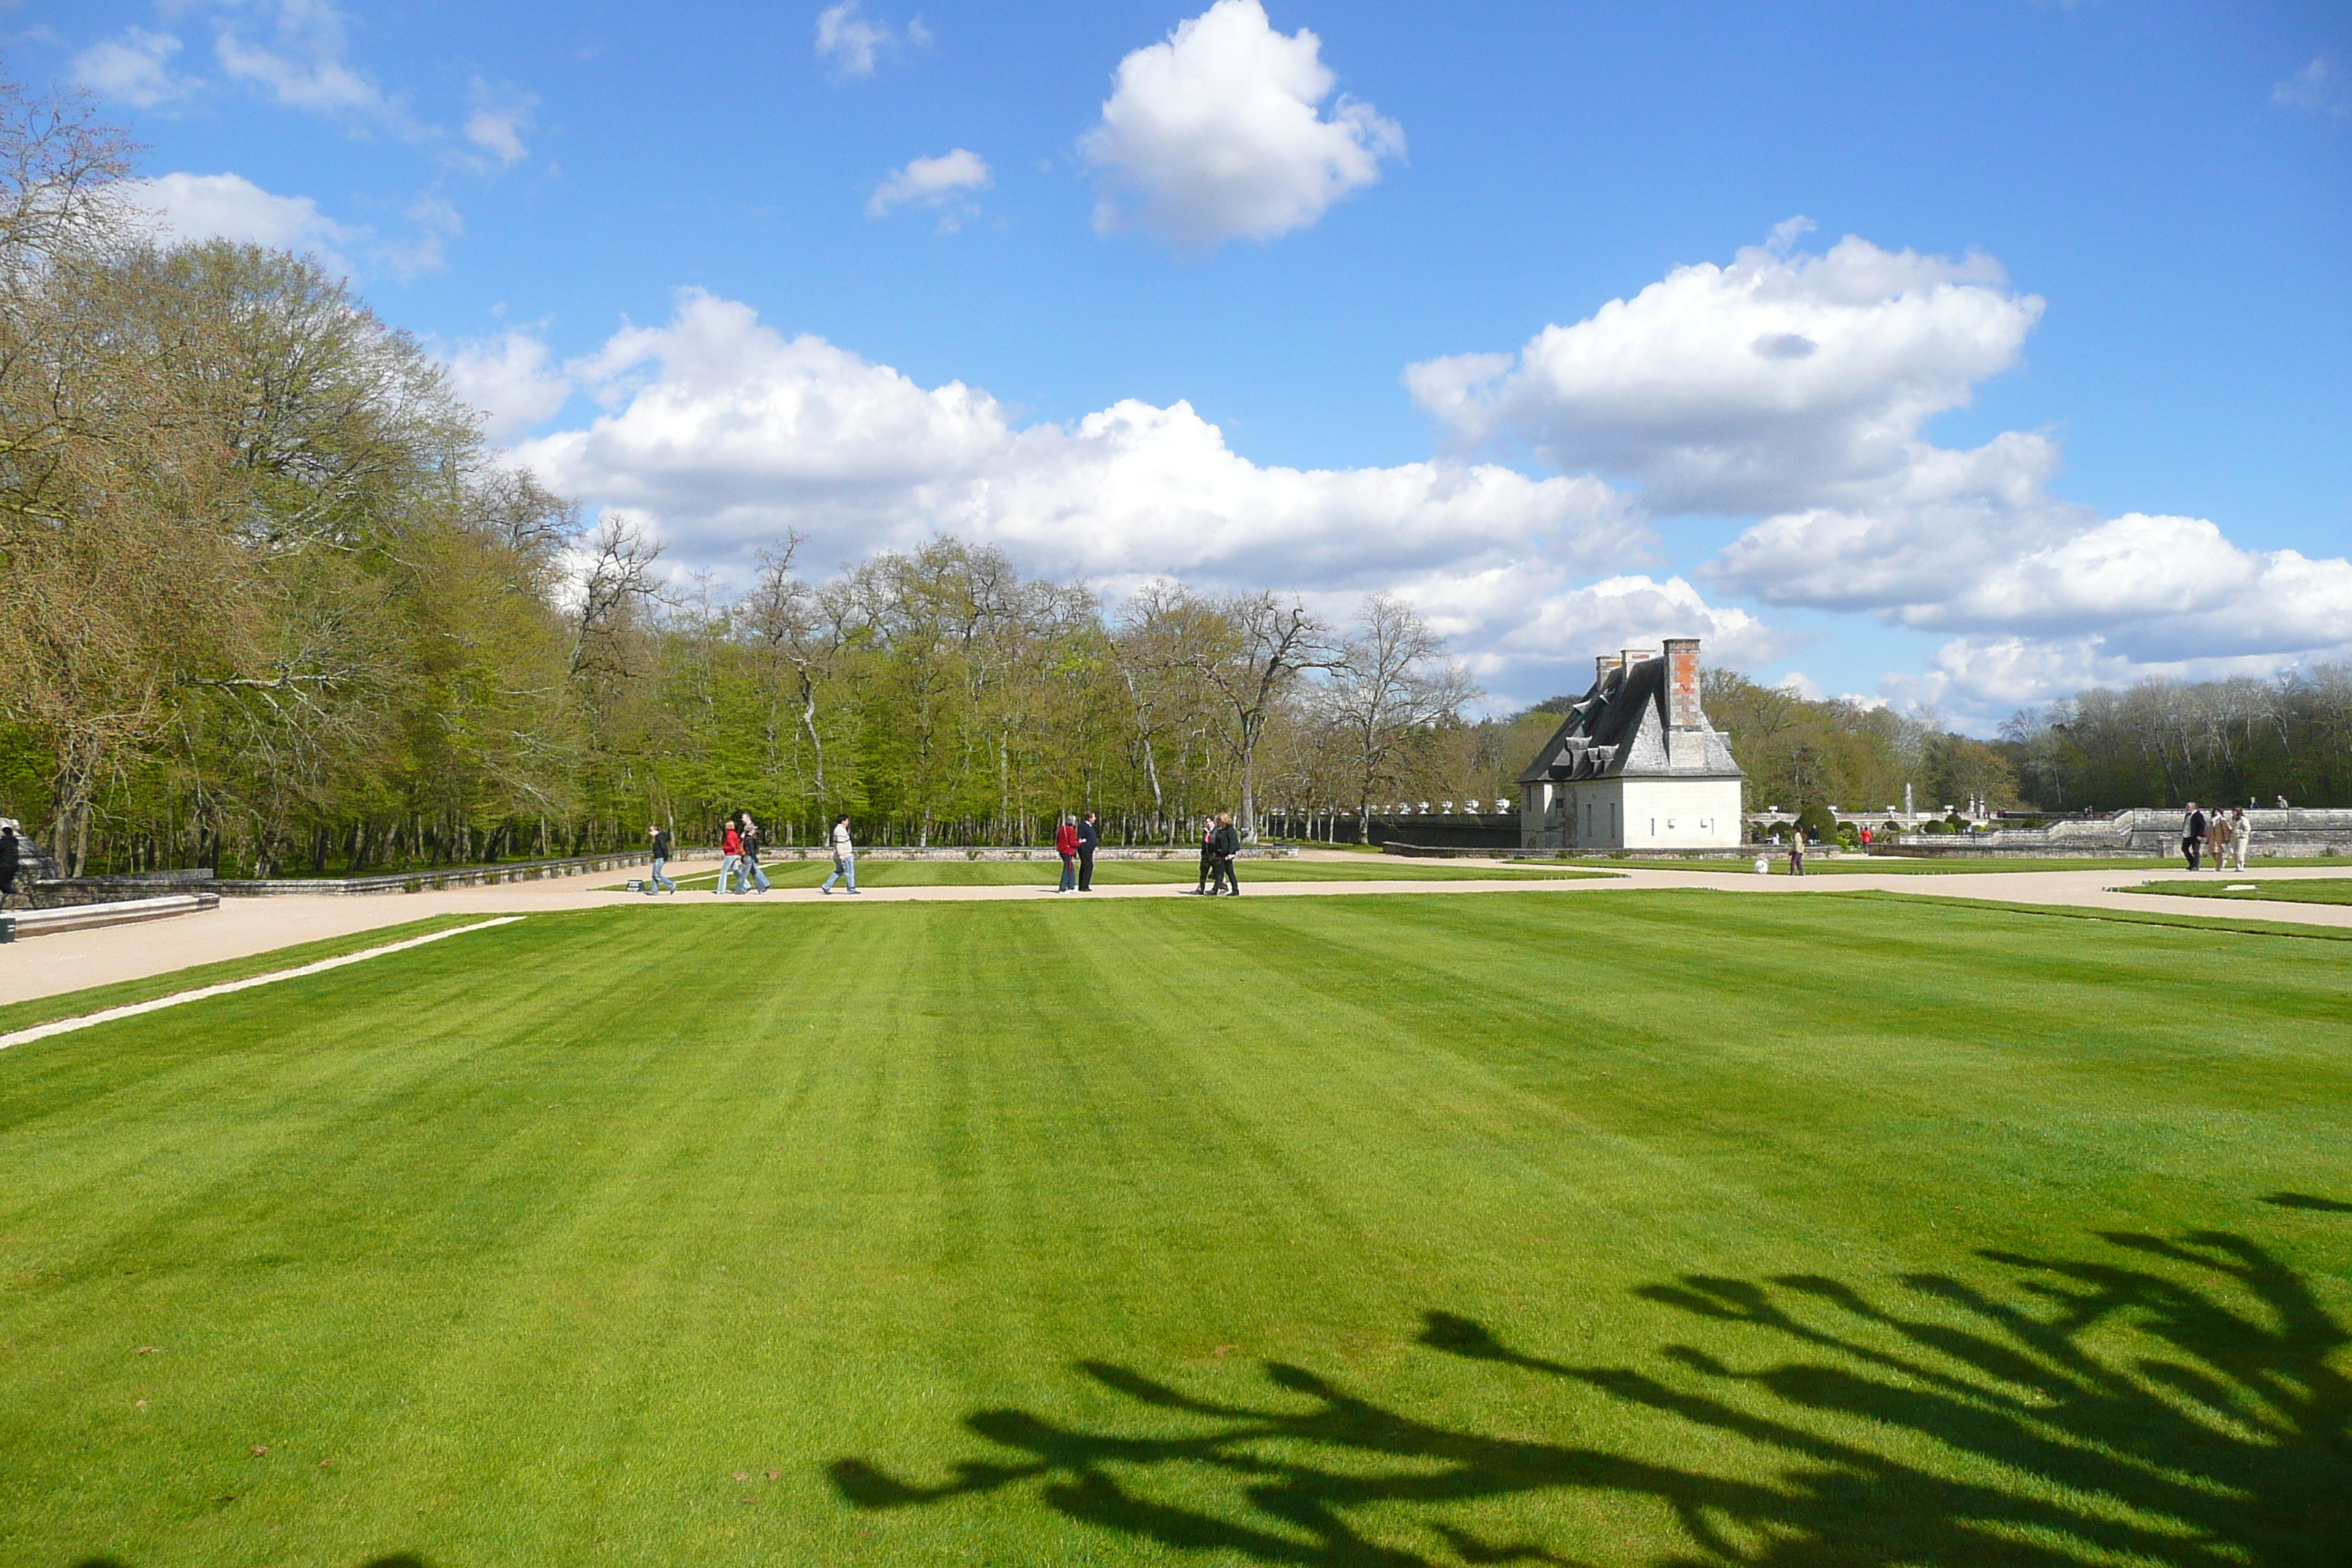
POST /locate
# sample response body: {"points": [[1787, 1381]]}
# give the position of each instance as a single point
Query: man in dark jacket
{"points": [[11, 857], [1089, 835], [659, 880], [2192, 835], [1228, 845], [1207, 854]]}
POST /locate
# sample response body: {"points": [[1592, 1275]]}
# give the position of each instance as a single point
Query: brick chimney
{"points": [[1605, 664], [1681, 683], [1633, 656]]}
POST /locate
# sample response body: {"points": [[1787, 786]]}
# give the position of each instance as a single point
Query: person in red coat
{"points": [[1066, 845], [730, 855]]}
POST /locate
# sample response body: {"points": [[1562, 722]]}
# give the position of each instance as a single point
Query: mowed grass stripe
{"points": [[542, 1249]]}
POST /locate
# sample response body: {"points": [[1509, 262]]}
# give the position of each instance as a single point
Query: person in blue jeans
{"points": [[748, 867], [658, 882], [845, 857]]}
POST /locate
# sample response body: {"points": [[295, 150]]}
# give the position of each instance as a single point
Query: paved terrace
{"points": [[47, 965]]}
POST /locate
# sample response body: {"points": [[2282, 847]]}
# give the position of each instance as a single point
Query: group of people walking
{"points": [[1076, 840], [1221, 845], [739, 857], [2225, 839]]}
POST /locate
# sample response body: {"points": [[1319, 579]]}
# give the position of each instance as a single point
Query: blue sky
{"points": [[1137, 289]]}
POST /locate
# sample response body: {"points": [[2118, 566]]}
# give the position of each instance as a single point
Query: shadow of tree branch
{"points": [[2181, 1405]]}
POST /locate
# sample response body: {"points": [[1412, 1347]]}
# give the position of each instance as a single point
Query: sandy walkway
{"points": [[43, 966]]}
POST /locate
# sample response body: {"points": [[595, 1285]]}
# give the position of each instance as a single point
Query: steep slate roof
{"points": [[1619, 731]]}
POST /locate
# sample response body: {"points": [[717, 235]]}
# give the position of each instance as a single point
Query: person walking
{"points": [[2242, 835], [2218, 839], [730, 856], [2192, 835], [749, 865], [1207, 854], [659, 880], [845, 857], [1066, 845], [1089, 839], [1229, 846], [12, 856], [1796, 854]]}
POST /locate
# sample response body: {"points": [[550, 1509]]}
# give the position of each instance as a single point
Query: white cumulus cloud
{"points": [[728, 433], [184, 207], [1796, 389], [229, 207], [1779, 380], [1217, 134], [134, 69], [1532, 627], [1972, 541], [512, 378], [931, 182]]}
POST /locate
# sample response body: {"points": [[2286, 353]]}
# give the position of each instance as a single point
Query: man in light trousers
{"points": [[2242, 841], [845, 857]]}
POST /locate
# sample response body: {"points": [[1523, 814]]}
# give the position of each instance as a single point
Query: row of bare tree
{"points": [[941, 697]]}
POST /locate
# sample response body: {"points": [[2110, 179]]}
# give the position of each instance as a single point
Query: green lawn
{"points": [[1671, 1228], [2229, 885], [1112, 873]]}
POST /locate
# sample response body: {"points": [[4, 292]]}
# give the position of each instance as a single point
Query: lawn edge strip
{"points": [[116, 992], [156, 1004], [2233, 892], [2118, 917]]}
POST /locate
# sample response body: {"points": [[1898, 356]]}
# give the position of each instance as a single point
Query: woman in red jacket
{"points": [[1066, 845], [730, 856]]}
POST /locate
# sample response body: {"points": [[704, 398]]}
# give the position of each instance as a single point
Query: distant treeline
{"points": [[2163, 743]]}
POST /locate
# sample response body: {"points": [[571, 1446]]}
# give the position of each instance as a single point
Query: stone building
{"points": [[1636, 765]]}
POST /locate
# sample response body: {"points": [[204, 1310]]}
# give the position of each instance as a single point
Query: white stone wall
{"points": [[1681, 813], [1631, 813]]}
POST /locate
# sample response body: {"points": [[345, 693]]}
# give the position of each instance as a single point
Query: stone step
{"points": [[88, 917]]}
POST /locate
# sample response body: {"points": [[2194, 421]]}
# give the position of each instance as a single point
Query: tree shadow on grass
{"points": [[2176, 1402], [2306, 1200]]}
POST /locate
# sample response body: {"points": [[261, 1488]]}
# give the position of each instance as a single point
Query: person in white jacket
{"points": [[2242, 836], [845, 857]]}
